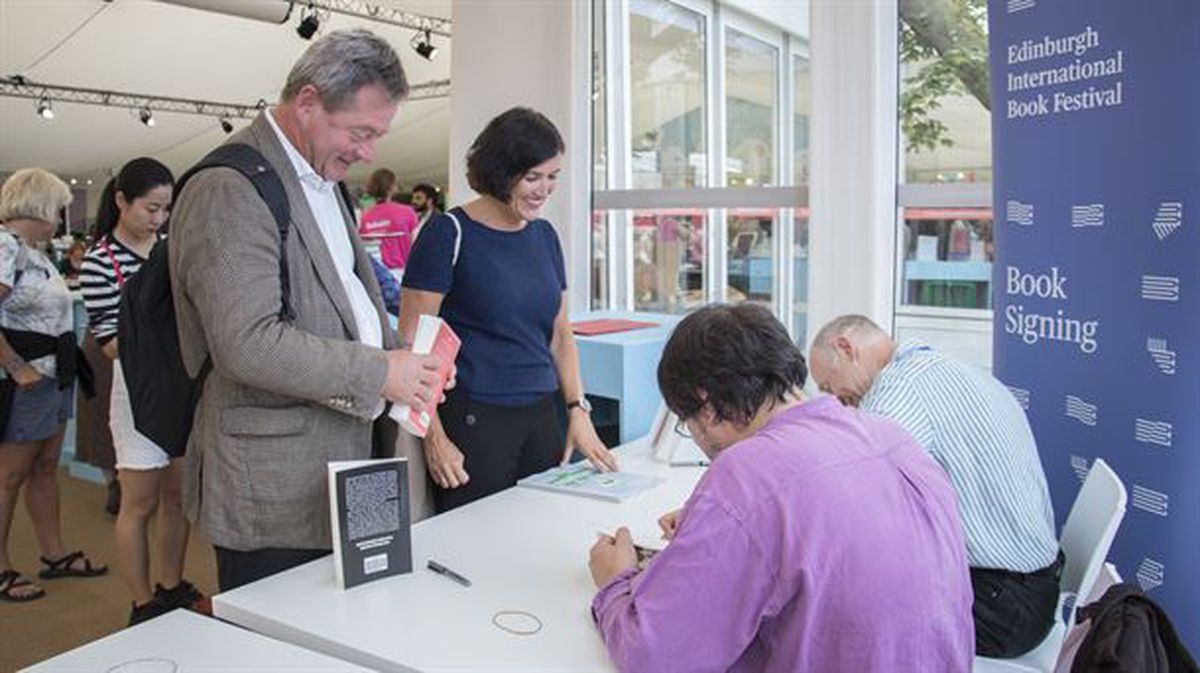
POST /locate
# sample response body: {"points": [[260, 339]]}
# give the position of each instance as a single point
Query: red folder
{"points": [[608, 326]]}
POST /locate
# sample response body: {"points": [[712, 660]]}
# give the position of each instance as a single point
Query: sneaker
{"points": [[148, 611], [183, 595], [112, 504]]}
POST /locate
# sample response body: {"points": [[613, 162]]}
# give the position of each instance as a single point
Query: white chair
{"points": [[1108, 577], [1075, 636], [1085, 541]]}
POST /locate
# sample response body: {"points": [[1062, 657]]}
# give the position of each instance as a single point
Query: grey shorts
{"points": [[39, 412]]}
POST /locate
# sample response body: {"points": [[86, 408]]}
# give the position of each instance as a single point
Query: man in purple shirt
{"points": [[821, 538]]}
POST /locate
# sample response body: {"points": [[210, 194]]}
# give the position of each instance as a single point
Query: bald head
{"points": [[858, 326], [846, 356]]}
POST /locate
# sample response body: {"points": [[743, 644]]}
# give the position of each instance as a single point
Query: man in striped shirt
{"points": [[971, 424]]}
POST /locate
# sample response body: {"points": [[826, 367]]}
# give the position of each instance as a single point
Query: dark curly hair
{"points": [[511, 144], [733, 358]]}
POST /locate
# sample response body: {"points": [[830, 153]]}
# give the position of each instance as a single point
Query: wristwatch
{"points": [[582, 403]]}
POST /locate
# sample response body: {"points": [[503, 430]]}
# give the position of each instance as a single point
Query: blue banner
{"points": [[1096, 151]]}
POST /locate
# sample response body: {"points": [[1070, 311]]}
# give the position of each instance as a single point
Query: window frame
{"points": [[619, 200]]}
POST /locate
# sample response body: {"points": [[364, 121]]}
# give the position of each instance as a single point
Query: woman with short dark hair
{"points": [[493, 269]]}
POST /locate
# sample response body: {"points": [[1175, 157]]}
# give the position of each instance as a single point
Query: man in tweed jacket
{"points": [[283, 398]]}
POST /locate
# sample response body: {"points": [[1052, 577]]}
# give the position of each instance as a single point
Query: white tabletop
{"points": [[185, 642], [523, 549]]}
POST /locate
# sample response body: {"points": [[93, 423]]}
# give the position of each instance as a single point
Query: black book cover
{"points": [[370, 516]]}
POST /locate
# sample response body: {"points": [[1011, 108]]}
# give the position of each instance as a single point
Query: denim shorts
{"points": [[38, 412]]}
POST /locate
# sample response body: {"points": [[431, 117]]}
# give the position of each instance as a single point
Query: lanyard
{"points": [[113, 258]]}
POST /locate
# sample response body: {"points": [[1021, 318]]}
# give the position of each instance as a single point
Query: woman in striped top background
{"points": [[133, 210]]}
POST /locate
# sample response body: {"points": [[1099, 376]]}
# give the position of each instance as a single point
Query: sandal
{"points": [[65, 567], [11, 579]]}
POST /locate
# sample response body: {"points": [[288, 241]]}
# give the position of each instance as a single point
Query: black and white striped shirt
{"points": [[100, 283]]}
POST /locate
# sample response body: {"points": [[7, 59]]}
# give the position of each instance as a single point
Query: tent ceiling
{"points": [[147, 47]]}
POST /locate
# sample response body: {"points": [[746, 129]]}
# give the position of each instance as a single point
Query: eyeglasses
{"points": [[681, 429]]}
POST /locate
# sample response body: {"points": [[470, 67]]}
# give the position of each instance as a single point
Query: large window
{"points": [[801, 112], [751, 80], [751, 83], [668, 247], [667, 91], [944, 243], [706, 111]]}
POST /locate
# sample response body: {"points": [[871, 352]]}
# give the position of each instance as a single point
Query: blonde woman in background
{"points": [[37, 354]]}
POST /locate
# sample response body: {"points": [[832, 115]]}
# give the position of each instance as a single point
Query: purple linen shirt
{"points": [[828, 541]]}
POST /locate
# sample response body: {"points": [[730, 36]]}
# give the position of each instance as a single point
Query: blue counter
{"points": [[623, 366]]}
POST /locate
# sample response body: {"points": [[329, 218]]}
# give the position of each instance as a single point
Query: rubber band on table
{"points": [[497, 619]]}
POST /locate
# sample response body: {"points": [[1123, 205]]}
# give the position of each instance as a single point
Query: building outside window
{"points": [[945, 243]]}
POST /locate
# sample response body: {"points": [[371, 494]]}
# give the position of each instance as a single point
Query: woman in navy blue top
{"points": [[493, 269]]}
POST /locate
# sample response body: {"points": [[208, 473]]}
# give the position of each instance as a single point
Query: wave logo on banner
{"points": [[1015, 6], [1150, 500], [1088, 414], [1152, 432], [1164, 357], [1021, 395], [1019, 213], [1150, 574], [1168, 218], [1091, 215], [1160, 288], [1079, 465]]}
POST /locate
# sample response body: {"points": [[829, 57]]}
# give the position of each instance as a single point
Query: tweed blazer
{"points": [[282, 399]]}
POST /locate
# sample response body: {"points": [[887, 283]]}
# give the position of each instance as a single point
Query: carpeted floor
{"points": [[77, 611]]}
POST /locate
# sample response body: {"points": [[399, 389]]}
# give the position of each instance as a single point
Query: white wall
{"points": [[853, 192], [533, 53], [966, 339]]}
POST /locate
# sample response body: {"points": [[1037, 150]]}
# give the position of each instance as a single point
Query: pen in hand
{"points": [[447, 573]]}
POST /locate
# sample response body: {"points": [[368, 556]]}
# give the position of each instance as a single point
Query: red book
{"points": [[433, 336], [608, 326]]}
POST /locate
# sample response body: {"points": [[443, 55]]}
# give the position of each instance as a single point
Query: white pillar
{"points": [[533, 53], [853, 195]]}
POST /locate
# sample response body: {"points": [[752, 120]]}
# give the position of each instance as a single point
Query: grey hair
{"points": [[343, 62], [843, 325], [33, 193]]}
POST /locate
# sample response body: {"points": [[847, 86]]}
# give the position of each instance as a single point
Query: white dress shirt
{"points": [[322, 196]]}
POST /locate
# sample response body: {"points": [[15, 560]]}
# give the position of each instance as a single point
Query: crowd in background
{"points": [[38, 272]]}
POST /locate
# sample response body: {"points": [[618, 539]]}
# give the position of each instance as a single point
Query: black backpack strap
{"points": [[251, 163], [346, 197]]}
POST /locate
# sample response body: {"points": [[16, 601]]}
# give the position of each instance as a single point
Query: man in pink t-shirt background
{"points": [[391, 224]]}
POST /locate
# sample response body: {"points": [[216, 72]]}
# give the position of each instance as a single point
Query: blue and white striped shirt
{"points": [[971, 425]]}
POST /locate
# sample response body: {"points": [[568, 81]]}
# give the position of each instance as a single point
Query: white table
{"points": [[186, 642], [523, 549]]}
